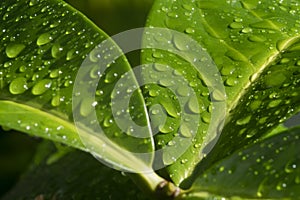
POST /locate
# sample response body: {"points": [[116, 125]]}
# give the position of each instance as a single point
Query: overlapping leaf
{"points": [[43, 45], [255, 45]]}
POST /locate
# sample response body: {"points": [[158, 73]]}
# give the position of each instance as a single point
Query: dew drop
{"points": [[86, 107], [33, 2], [236, 25], [193, 105], [13, 50], [274, 103], [189, 30], [231, 81], [18, 86], [56, 50], [185, 131], [44, 39], [244, 120], [55, 101], [180, 43], [255, 38], [107, 122], [165, 129], [41, 87], [55, 73], [183, 91]]}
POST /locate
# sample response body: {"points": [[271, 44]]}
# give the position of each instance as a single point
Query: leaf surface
{"points": [[255, 46], [267, 169]]}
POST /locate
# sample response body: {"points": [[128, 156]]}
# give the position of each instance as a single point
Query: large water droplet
{"points": [[13, 50], [55, 101], [185, 130], [41, 87], [86, 107], [18, 85], [44, 39], [244, 120], [56, 50]]}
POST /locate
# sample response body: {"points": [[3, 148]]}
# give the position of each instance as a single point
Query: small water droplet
{"points": [[231, 81], [18, 86], [189, 30], [236, 25], [193, 105], [157, 55], [33, 2], [13, 50]]}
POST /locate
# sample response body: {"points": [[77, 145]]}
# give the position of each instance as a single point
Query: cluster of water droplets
{"points": [[270, 167], [42, 47]]}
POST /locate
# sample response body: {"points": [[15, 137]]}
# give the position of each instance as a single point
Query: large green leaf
{"points": [[255, 45], [267, 169], [44, 44], [75, 176]]}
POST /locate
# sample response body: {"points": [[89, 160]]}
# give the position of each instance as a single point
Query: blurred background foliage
{"points": [[112, 16]]}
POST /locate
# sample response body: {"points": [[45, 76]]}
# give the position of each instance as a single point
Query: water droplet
{"points": [[183, 161], [236, 25], [55, 101], [284, 60], [166, 82], [86, 107], [218, 95], [189, 30], [255, 38], [110, 77], [55, 73], [246, 30], [160, 67], [56, 50], [170, 108], [108, 122], [290, 167], [231, 81], [244, 120], [171, 143], [180, 43], [193, 105], [157, 55], [13, 50], [185, 131], [33, 2], [44, 39], [275, 79], [274, 103], [183, 91], [165, 128], [18, 85], [205, 118], [41, 87]]}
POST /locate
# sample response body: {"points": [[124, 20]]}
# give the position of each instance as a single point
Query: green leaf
{"points": [[267, 169], [75, 176], [255, 46], [49, 66]]}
